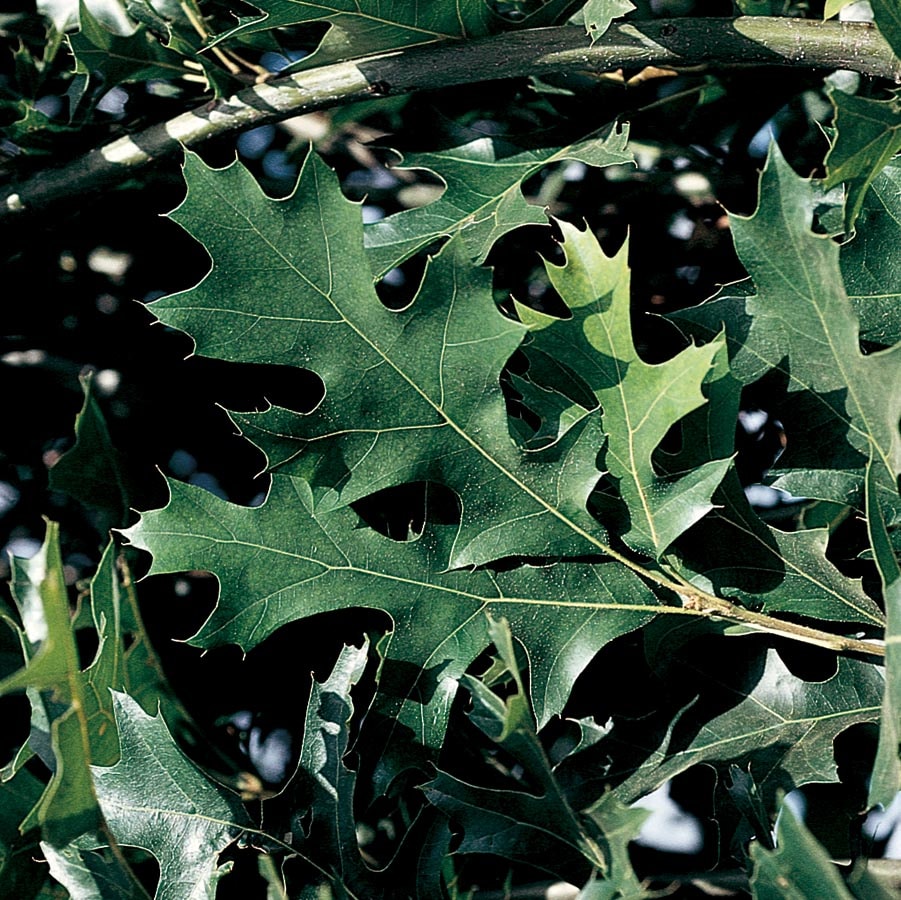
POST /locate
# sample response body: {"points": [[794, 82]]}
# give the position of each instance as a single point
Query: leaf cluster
{"points": [[515, 505]]}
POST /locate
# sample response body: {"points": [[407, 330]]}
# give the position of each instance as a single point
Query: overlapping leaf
{"points": [[121, 50], [798, 868], [598, 14], [886, 781], [512, 823], [888, 18], [639, 401], [845, 405], [364, 27], [361, 27], [867, 136], [326, 784], [869, 265], [60, 735], [73, 725], [839, 403], [734, 552], [482, 199], [91, 875], [93, 471], [766, 719], [21, 793]]}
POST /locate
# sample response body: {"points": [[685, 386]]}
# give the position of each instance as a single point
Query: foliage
{"points": [[496, 514]]}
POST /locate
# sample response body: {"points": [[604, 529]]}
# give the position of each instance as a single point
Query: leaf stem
{"points": [[702, 603]]}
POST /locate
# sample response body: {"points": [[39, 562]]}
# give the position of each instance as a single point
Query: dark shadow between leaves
{"points": [[654, 712], [399, 286], [401, 512]]}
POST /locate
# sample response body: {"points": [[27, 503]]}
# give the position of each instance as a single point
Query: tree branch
{"points": [[717, 43]]}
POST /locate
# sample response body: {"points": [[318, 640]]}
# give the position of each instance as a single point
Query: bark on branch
{"points": [[716, 43]]}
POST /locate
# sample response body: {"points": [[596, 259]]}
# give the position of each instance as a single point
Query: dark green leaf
{"points": [[741, 556], [869, 264], [67, 807], [886, 781], [888, 18], [93, 471], [867, 136], [765, 720], [287, 559], [362, 27], [839, 402], [296, 289], [121, 52], [602, 835]]}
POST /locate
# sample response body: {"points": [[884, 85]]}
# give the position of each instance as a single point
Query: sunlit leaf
{"points": [[482, 199], [798, 868], [155, 798], [639, 402]]}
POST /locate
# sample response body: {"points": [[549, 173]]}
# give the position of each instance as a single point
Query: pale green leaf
{"points": [[155, 798], [598, 14], [482, 198], [736, 554], [799, 867], [833, 7], [89, 875], [620, 825], [639, 402]]}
